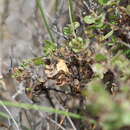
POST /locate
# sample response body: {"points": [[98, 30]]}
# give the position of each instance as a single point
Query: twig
{"points": [[71, 122], [124, 43], [28, 119], [10, 115], [84, 2], [55, 123], [59, 33], [69, 119], [60, 91]]}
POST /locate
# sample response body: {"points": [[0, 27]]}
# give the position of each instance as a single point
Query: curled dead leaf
{"points": [[61, 65]]}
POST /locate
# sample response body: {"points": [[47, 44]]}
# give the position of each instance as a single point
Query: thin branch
{"points": [[69, 119], [60, 91], [54, 122], [59, 33], [10, 115], [124, 43]]}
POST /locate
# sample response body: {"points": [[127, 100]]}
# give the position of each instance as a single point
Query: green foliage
{"points": [[123, 64], [128, 9], [127, 52], [25, 63], [96, 21], [103, 2], [68, 30], [100, 57], [77, 44], [108, 2], [49, 48], [108, 35], [38, 61], [89, 19]]}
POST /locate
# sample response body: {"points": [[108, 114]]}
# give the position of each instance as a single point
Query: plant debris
{"points": [[90, 73]]}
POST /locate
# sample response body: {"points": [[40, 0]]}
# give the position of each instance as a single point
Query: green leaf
{"points": [[100, 21], [108, 35], [102, 2], [100, 57], [38, 61], [76, 25], [77, 44], [110, 43], [128, 9], [49, 48], [89, 19], [127, 52], [67, 30]]}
